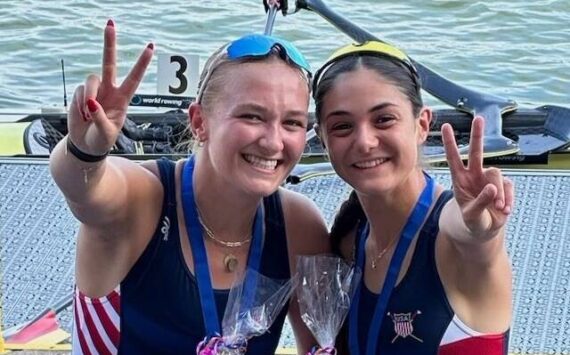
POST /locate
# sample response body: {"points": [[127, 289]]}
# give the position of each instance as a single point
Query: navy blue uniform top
{"points": [[160, 303], [419, 319]]}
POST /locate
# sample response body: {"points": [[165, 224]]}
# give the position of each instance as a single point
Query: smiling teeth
{"points": [[258, 162], [370, 164]]}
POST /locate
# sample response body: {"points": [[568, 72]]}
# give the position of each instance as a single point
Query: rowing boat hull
{"points": [[155, 134]]}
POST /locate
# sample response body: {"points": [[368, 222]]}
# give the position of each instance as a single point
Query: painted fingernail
{"points": [[110, 23], [92, 105], [83, 115], [150, 46]]}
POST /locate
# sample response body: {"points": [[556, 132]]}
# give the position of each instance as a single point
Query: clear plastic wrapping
{"points": [[253, 305], [325, 289]]}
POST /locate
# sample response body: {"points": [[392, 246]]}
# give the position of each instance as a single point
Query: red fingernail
{"points": [[110, 23], [83, 115], [150, 46], [92, 105]]}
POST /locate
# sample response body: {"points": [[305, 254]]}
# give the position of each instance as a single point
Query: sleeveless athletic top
{"points": [[419, 319], [156, 308]]}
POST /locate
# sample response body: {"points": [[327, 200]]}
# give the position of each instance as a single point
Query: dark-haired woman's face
{"points": [[370, 131]]}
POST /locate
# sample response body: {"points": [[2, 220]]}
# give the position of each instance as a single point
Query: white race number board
{"points": [[178, 74]]}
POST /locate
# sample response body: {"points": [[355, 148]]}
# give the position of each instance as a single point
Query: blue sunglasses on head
{"points": [[261, 45], [252, 46]]}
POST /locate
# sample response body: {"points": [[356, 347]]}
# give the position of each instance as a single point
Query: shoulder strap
{"points": [[167, 170], [275, 260], [432, 221]]}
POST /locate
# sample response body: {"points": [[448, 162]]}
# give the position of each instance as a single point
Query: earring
{"points": [[200, 144]]}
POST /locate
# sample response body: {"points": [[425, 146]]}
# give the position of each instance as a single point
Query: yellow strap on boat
{"points": [[12, 138], [38, 347], [49, 341], [2, 349]]}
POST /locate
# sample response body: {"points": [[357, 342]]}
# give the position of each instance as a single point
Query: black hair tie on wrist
{"points": [[81, 155]]}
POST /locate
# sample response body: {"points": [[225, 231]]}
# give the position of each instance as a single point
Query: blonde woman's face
{"points": [[257, 126]]}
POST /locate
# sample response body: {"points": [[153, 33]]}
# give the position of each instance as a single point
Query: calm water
{"points": [[514, 48]]}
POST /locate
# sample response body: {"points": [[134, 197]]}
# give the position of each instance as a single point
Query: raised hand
{"points": [[99, 107], [483, 195]]}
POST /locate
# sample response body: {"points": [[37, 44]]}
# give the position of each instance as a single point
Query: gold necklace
{"points": [[382, 252], [230, 260]]}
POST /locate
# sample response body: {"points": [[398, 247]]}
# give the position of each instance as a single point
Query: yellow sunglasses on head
{"points": [[376, 48]]}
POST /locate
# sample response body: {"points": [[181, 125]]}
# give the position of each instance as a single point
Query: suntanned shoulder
{"points": [[107, 252], [152, 166], [144, 180], [306, 228], [142, 188]]}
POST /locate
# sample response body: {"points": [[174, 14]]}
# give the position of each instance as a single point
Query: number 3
{"points": [[183, 65]]}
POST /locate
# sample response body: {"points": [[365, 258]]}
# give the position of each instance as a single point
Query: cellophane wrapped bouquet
{"points": [[325, 288], [253, 305]]}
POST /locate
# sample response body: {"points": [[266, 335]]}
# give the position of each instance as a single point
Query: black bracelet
{"points": [[81, 155]]}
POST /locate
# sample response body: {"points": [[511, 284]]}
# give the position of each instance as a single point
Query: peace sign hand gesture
{"points": [[483, 195], [99, 107]]}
